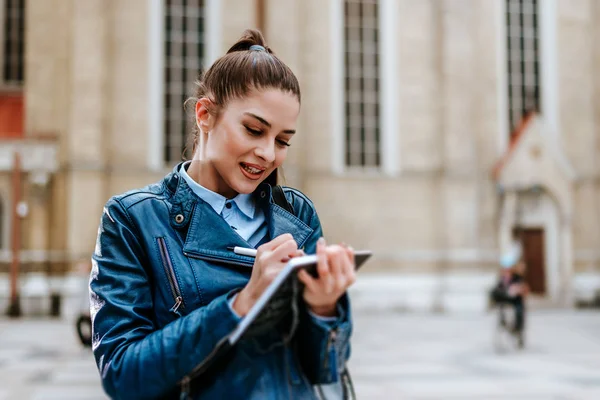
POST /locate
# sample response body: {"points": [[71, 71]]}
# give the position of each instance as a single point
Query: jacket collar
{"points": [[244, 202], [209, 235]]}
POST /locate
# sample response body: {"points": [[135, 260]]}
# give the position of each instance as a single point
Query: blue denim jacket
{"points": [[160, 284]]}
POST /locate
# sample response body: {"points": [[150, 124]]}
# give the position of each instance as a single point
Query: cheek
{"points": [[280, 157], [228, 143]]}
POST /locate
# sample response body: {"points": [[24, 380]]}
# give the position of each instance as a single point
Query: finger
{"points": [[351, 259], [347, 268], [329, 273], [347, 275], [299, 253], [285, 250], [336, 257], [350, 272], [273, 244], [309, 282], [350, 252], [322, 265]]}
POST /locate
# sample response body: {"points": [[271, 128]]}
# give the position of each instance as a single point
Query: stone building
{"points": [[429, 129]]}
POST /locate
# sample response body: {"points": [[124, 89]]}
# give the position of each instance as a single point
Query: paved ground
{"points": [[402, 356], [453, 357]]}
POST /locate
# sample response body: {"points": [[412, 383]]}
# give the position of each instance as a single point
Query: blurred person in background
{"points": [[165, 286], [511, 288]]}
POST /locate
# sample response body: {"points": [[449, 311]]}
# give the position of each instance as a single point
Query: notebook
{"points": [[275, 297]]}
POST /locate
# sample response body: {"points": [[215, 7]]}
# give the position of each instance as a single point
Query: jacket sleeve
{"points": [[135, 359], [323, 346]]}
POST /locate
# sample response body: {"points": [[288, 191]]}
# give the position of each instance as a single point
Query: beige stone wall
{"points": [[443, 199], [235, 22], [47, 69], [316, 94], [577, 72], [579, 91], [88, 82], [419, 91], [48, 101], [127, 127], [289, 16]]}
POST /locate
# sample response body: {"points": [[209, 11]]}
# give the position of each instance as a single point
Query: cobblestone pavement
{"points": [[395, 356]]}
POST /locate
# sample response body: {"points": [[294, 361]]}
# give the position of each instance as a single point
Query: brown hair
{"points": [[241, 71]]}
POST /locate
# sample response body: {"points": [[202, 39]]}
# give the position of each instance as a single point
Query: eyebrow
{"points": [[266, 123]]}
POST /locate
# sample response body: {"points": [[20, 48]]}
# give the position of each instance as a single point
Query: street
{"points": [[395, 356]]}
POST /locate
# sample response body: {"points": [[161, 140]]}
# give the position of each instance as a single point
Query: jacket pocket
{"points": [[170, 272], [219, 259]]}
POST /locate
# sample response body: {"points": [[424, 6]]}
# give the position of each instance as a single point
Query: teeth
{"points": [[251, 170]]}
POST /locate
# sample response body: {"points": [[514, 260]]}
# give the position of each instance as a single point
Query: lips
{"points": [[252, 171]]}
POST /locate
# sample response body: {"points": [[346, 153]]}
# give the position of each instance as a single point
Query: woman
{"points": [[165, 288]]}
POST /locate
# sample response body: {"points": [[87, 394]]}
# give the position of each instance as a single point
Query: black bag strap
{"points": [[281, 200]]}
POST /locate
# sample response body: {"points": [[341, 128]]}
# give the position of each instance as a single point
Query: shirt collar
{"points": [[244, 202]]}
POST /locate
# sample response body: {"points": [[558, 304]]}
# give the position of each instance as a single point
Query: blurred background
{"points": [[429, 130]]}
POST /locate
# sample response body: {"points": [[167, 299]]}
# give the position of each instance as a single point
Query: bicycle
{"points": [[506, 337]]}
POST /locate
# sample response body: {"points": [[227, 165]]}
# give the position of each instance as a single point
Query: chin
{"points": [[246, 187]]}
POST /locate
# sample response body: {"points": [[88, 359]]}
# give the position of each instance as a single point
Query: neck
{"points": [[204, 174]]}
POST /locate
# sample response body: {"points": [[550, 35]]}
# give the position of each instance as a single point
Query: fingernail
{"points": [[321, 241]]}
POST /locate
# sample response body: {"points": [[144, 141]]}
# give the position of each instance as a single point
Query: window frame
{"points": [[156, 65], [10, 86], [548, 71], [388, 94]]}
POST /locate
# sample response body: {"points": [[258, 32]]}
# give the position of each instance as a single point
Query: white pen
{"points": [[243, 251]]}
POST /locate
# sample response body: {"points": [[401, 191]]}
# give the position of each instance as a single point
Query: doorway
{"points": [[533, 256]]}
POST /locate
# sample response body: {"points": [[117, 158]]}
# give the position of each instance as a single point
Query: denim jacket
{"points": [[161, 280]]}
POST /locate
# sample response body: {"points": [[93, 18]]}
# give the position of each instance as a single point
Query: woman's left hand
{"points": [[335, 267]]}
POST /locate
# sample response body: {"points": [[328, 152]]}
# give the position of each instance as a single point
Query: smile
{"points": [[252, 172]]}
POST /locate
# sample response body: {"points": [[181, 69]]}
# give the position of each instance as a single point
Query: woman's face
{"points": [[248, 140]]}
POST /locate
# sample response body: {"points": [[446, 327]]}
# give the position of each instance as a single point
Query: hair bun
{"points": [[250, 37]]}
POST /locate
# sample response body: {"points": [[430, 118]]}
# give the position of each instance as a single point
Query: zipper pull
{"points": [[332, 337], [330, 355], [185, 388], [175, 307]]}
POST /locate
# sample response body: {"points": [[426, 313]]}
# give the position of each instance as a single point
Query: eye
{"points": [[253, 132], [283, 143]]}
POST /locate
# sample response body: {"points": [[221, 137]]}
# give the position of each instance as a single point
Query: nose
{"points": [[266, 151]]}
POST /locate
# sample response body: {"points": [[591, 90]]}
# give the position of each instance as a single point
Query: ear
{"points": [[204, 118]]}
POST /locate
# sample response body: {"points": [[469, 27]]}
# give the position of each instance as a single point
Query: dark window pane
{"points": [[184, 52], [361, 60], [523, 64], [13, 46]]}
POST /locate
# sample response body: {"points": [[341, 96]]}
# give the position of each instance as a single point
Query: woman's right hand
{"points": [[270, 259]]}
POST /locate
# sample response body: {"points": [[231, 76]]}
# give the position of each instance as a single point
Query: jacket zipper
{"points": [[185, 388], [217, 258], [168, 266], [330, 353]]}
